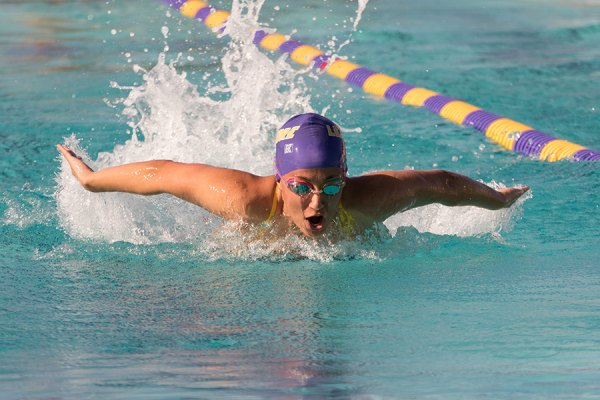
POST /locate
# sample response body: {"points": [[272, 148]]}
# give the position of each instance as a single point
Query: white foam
{"points": [[459, 221], [236, 240]]}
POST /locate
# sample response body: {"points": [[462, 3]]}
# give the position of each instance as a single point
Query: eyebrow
{"points": [[331, 177]]}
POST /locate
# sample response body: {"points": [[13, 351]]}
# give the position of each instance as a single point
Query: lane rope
{"points": [[506, 132]]}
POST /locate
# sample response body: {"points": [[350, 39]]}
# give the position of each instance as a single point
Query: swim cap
{"points": [[309, 141]]}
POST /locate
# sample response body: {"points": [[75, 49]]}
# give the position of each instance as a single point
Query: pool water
{"points": [[118, 296]]}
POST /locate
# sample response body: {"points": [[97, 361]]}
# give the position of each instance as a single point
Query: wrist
{"points": [[87, 181]]}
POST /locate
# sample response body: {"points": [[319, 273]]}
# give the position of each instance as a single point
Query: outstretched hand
{"points": [[512, 194], [79, 169]]}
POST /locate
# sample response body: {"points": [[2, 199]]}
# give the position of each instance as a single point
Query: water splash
{"points": [[170, 119], [460, 221], [237, 240], [362, 5]]}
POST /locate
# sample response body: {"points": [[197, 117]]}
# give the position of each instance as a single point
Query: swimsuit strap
{"points": [[274, 205], [346, 220]]}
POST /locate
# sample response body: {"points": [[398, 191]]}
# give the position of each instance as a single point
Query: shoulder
{"points": [[258, 197]]}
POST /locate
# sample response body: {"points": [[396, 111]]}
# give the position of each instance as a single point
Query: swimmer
{"points": [[310, 191]]}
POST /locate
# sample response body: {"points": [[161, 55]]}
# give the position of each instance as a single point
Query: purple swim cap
{"points": [[309, 141]]}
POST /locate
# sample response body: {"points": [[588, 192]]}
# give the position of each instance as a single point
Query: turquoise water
{"points": [[115, 296]]}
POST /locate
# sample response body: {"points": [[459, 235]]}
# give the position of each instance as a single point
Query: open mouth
{"points": [[315, 222]]}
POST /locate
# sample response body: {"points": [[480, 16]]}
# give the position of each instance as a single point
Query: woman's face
{"points": [[314, 211]]}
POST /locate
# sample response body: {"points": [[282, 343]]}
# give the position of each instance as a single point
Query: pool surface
{"points": [[117, 296]]}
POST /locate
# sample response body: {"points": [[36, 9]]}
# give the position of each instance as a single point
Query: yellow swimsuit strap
{"points": [[347, 222], [274, 205]]}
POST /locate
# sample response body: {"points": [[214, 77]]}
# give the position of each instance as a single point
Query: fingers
{"points": [[61, 148], [65, 151], [518, 192], [512, 194]]}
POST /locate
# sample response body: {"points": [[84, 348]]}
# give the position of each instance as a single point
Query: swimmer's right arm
{"points": [[226, 192]]}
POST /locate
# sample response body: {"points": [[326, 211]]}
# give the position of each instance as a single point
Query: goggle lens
{"points": [[299, 188], [331, 189], [302, 188]]}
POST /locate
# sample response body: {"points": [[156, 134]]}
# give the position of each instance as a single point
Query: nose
{"points": [[317, 201]]}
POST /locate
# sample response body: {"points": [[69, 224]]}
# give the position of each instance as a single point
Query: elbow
{"points": [[452, 189], [448, 178], [448, 189], [444, 179]]}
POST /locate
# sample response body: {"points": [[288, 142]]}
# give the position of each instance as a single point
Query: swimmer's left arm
{"points": [[387, 192]]}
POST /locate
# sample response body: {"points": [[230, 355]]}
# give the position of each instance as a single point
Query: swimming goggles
{"points": [[303, 188]]}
